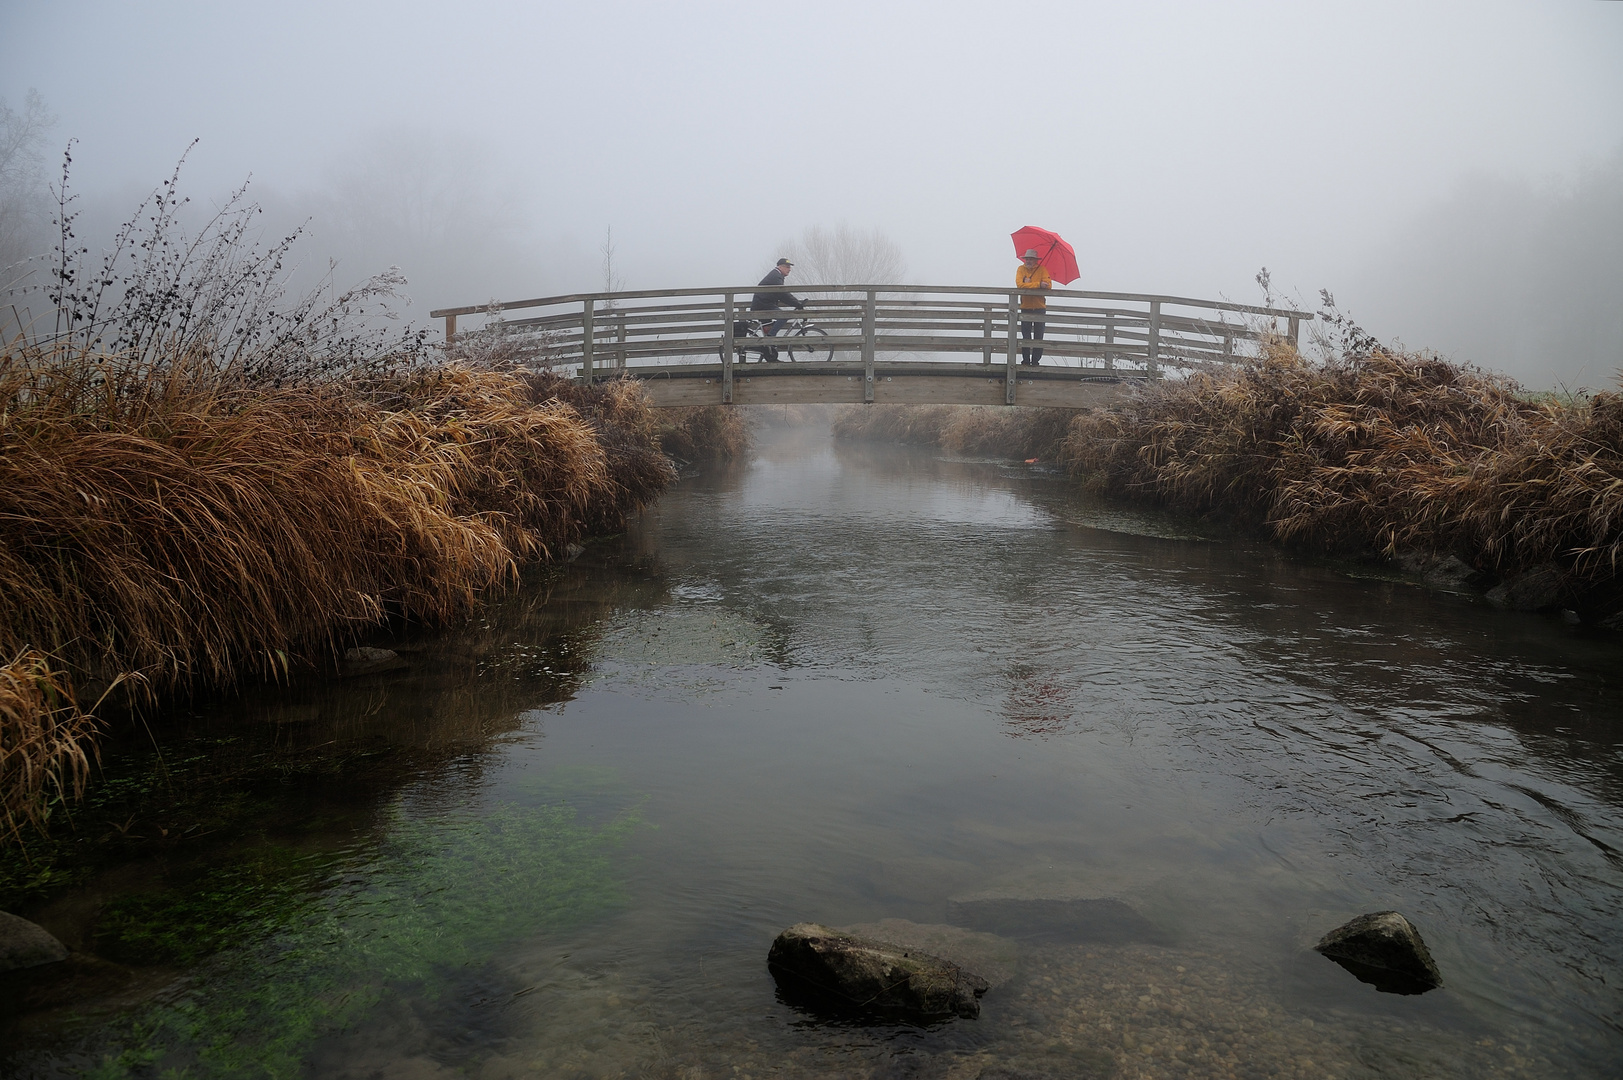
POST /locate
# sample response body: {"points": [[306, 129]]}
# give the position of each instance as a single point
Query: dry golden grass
{"points": [[996, 431], [1392, 452], [705, 433], [46, 741], [185, 530]]}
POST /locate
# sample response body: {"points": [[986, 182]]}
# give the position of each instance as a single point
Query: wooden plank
{"points": [[868, 332], [1014, 333], [902, 290], [754, 389], [944, 390], [683, 393], [727, 350], [586, 341], [1153, 342]]}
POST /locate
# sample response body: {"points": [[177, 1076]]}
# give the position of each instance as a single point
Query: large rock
{"points": [[1016, 914], [827, 966], [1539, 589], [1385, 950], [1447, 572], [991, 957], [24, 944]]}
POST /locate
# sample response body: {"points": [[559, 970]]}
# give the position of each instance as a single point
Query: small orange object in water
{"points": [[1031, 461]]}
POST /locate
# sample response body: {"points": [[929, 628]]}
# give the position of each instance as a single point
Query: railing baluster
{"points": [[450, 328], [586, 341], [1152, 346], [986, 337], [727, 353], [869, 333], [1110, 339], [1014, 335]]}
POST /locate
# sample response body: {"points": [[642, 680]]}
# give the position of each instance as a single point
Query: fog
{"points": [[1452, 172]]}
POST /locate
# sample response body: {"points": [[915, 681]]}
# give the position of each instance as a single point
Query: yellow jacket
{"points": [[1033, 279]]}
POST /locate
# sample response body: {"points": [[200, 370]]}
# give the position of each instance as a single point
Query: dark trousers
{"points": [[1032, 329]]}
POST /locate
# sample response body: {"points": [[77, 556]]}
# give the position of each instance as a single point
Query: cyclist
{"points": [[776, 299]]}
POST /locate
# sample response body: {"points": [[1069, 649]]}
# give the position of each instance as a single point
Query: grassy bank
{"points": [[1386, 452], [991, 431], [170, 529]]}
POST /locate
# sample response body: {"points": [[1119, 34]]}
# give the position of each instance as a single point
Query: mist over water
{"points": [[1448, 171]]}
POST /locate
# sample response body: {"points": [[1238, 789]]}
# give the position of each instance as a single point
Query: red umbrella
{"points": [[1052, 252]]}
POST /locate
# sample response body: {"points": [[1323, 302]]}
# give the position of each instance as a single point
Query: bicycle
{"points": [[799, 336]]}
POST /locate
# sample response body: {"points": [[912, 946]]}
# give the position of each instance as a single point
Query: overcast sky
{"points": [[1180, 146]]}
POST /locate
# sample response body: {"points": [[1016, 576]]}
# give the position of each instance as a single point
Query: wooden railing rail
{"points": [[1119, 334]]}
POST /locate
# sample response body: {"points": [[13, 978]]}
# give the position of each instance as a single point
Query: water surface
{"points": [[845, 684]]}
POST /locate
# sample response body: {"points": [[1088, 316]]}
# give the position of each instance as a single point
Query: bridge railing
{"points": [[1115, 334]]}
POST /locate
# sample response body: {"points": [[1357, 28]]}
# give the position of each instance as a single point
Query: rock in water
{"points": [[991, 957], [25, 945], [1385, 950], [864, 974], [368, 660]]}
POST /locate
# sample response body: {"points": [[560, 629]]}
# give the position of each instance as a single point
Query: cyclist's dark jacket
{"points": [[772, 301]]}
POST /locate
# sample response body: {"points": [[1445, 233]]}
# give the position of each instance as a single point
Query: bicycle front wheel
{"points": [[810, 343]]}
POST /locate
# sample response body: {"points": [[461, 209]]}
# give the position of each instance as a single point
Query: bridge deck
{"points": [[895, 382]]}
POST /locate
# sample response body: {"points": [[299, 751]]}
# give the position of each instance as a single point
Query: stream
{"points": [[845, 684]]}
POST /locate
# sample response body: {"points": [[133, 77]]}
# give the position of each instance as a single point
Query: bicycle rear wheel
{"points": [[810, 343]]}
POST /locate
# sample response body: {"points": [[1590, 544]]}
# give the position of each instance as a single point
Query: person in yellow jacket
{"points": [[1033, 277]]}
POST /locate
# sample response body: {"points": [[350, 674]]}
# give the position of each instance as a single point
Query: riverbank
{"points": [[1449, 473], [172, 532]]}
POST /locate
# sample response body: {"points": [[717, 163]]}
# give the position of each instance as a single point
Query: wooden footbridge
{"points": [[879, 343]]}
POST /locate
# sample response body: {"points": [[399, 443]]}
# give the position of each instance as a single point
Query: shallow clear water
{"points": [[845, 684]]}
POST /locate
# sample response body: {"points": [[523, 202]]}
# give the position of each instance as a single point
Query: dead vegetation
{"points": [[705, 433], [990, 431], [1377, 450], [198, 487]]}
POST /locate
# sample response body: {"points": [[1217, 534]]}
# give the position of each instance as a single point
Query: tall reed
{"points": [[1381, 450]]}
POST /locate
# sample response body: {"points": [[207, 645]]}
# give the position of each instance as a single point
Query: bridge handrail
{"points": [[639, 294]]}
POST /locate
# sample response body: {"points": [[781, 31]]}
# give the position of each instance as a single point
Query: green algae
{"points": [[439, 896]]}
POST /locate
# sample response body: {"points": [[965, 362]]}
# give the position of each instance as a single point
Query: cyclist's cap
{"points": [[785, 262], [1031, 253]]}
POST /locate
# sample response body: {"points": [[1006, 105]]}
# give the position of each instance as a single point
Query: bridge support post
{"points": [[727, 346], [1152, 343], [586, 342], [1014, 344], [868, 333]]}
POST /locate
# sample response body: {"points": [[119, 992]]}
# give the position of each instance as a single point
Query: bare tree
{"points": [[24, 193], [846, 256]]}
